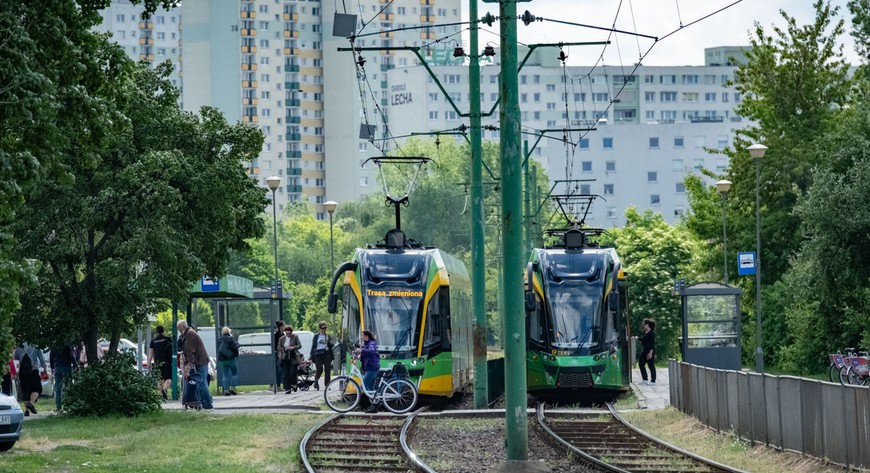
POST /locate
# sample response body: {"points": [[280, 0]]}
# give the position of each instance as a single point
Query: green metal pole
{"points": [[516, 419], [175, 393], [478, 261], [534, 191], [527, 210]]}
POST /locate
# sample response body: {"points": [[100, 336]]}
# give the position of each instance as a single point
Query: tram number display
{"points": [[373, 293], [561, 353]]}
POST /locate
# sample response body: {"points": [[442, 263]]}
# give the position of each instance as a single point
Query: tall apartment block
{"points": [[629, 137], [154, 40]]}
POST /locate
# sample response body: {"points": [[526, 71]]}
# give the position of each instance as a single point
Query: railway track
{"points": [[354, 442], [613, 444]]}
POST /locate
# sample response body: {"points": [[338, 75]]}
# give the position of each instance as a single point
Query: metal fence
{"points": [[821, 419]]}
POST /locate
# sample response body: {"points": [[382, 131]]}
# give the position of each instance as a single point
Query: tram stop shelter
{"points": [[251, 313], [711, 325]]}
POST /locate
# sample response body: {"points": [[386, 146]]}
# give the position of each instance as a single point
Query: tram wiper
{"points": [[580, 347]]}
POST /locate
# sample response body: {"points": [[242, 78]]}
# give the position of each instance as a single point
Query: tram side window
{"points": [[434, 321], [536, 322], [351, 317]]}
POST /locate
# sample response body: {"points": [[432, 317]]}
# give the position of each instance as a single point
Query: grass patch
{"points": [[688, 433], [163, 442]]}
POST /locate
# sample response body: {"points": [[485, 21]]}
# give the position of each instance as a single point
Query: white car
{"points": [[11, 422]]}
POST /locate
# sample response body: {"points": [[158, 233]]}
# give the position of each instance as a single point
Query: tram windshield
{"points": [[392, 314], [574, 287], [574, 308]]}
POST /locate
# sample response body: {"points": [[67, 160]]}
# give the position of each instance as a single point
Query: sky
{"points": [[655, 18]]}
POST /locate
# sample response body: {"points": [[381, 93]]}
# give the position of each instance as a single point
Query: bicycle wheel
{"points": [[342, 394], [399, 396], [834, 373], [844, 375]]}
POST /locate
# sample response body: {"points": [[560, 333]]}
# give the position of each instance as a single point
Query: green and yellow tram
{"points": [[577, 325], [417, 302]]}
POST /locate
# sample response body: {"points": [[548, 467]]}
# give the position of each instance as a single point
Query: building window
{"points": [[669, 115], [433, 114], [608, 189], [677, 165], [690, 79], [668, 96], [610, 166], [679, 211], [600, 97], [690, 96], [607, 143], [655, 199], [724, 97], [652, 176], [709, 96], [364, 181], [678, 142], [649, 79], [649, 96], [585, 189], [680, 188], [611, 212], [650, 115], [668, 79], [699, 164], [586, 166], [654, 142], [584, 143]]}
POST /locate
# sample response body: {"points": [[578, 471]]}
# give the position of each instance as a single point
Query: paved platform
{"points": [[652, 396], [264, 401]]}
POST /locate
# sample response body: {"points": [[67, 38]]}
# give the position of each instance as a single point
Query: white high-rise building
{"points": [[629, 138], [154, 40]]}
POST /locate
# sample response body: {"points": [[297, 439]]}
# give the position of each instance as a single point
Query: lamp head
{"points": [[757, 151], [330, 206], [723, 186], [273, 182]]}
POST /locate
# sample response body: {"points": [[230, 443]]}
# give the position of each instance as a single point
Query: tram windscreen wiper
{"points": [[588, 334]]}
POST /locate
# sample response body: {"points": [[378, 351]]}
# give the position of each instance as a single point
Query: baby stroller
{"points": [[305, 375], [190, 396]]}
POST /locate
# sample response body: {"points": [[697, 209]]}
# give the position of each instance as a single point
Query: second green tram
{"points": [[417, 302], [577, 324]]}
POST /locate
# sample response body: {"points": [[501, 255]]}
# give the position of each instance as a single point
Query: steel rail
{"points": [[403, 440], [303, 445]]}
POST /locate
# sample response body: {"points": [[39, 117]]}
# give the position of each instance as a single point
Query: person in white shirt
{"points": [[321, 355]]}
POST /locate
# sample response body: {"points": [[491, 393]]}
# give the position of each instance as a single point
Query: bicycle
{"points": [[838, 364], [857, 370], [397, 394]]}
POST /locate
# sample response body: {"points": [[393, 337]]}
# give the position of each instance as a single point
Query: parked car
{"points": [[125, 346], [11, 422]]}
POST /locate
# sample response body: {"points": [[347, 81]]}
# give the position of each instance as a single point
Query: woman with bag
{"points": [[288, 352], [228, 353]]}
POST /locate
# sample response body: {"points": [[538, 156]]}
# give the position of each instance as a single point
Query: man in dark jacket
{"points": [[63, 361], [160, 352], [647, 354], [279, 332], [196, 358]]}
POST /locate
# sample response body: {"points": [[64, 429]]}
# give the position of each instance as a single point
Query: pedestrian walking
{"points": [[279, 332], [647, 354], [63, 361], [160, 356], [228, 353], [288, 349], [196, 359], [321, 355], [30, 360]]}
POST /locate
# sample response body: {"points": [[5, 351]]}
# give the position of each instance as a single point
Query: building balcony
{"points": [[292, 16], [427, 35], [249, 67], [292, 102], [250, 118], [250, 101], [293, 119], [427, 18], [249, 32], [254, 171], [388, 34], [146, 25], [249, 49], [387, 67], [294, 154], [146, 57], [294, 189], [291, 68], [248, 14], [291, 51], [293, 136], [249, 84], [291, 85], [294, 172], [291, 33], [427, 2], [387, 16]]}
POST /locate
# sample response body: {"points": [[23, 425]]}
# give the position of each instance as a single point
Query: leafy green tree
{"points": [[828, 291], [160, 201], [654, 254]]}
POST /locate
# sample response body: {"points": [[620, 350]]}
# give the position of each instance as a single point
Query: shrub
{"points": [[112, 387]]}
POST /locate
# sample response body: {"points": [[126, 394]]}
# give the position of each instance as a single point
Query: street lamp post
{"points": [[330, 207], [274, 182], [723, 187], [757, 152]]}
